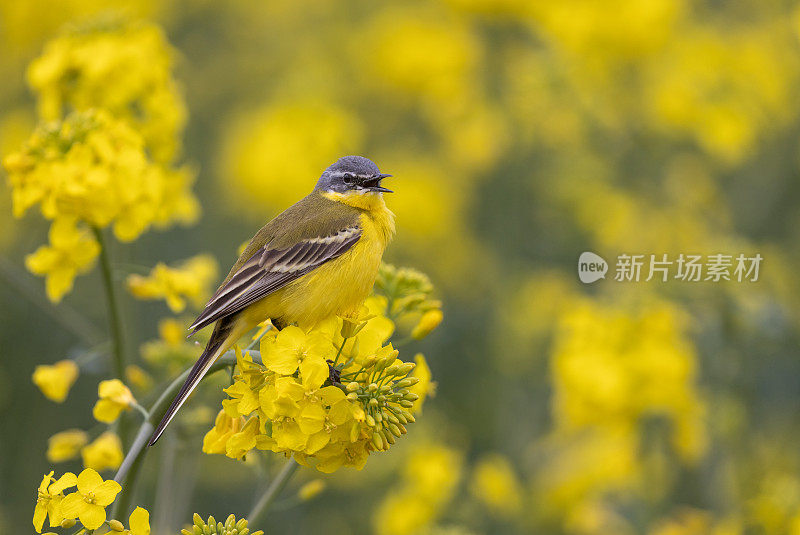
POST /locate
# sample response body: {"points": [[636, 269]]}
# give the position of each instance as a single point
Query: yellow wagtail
{"points": [[318, 258]]}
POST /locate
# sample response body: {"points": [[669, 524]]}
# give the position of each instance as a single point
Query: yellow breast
{"points": [[341, 285]]}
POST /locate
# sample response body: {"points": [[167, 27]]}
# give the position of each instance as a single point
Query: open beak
{"points": [[374, 184]]}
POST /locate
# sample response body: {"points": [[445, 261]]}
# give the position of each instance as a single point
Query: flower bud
{"points": [[353, 386], [370, 420], [68, 523], [427, 323], [407, 404], [374, 402], [115, 525], [408, 416], [395, 430], [352, 396], [392, 370], [369, 362], [411, 396], [372, 388], [405, 368]]}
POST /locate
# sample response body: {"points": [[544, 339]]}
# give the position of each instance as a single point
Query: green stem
{"points": [[114, 320], [128, 470], [272, 492]]}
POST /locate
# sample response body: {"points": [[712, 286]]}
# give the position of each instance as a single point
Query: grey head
{"points": [[352, 174]]}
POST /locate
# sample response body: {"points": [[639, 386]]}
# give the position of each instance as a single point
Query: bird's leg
{"points": [[334, 374]]}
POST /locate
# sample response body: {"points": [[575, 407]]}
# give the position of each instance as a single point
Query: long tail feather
{"points": [[217, 345]]}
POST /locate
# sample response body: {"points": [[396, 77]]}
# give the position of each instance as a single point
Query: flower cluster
{"points": [[122, 67], [408, 292], [329, 396], [92, 169], [87, 503], [189, 280], [211, 527]]}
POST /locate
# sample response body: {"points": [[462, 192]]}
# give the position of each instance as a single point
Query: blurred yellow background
{"points": [[520, 134]]}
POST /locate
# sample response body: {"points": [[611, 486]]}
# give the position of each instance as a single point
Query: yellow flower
{"points": [[72, 250], [293, 349], [114, 398], [225, 427], [122, 67], [427, 323], [138, 522], [103, 453], [137, 377], [311, 489], [496, 485], [245, 440], [293, 139], [55, 380], [189, 280], [50, 496], [425, 387], [429, 481], [66, 445], [89, 502]]}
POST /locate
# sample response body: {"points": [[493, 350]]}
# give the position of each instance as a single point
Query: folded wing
{"points": [[270, 269]]}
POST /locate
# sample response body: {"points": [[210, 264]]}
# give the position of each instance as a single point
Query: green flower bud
{"points": [[374, 402], [392, 418], [408, 416], [395, 430], [405, 368], [372, 388], [407, 404], [68, 523], [352, 396], [115, 525], [370, 420], [411, 396], [353, 386]]}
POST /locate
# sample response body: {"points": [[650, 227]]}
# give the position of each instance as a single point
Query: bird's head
{"points": [[352, 175]]}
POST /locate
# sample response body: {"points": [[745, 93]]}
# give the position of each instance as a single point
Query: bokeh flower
{"points": [[495, 483], [66, 445], [72, 250], [190, 280], [55, 380], [104, 453]]}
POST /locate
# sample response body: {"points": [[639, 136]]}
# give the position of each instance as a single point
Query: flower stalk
{"points": [[114, 317], [129, 469], [272, 492]]}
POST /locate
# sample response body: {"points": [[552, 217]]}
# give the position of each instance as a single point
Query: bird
{"points": [[318, 258]]}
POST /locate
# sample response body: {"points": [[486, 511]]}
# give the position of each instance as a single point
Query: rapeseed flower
{"points": [[138, 523], [55, 380], [119, 66], [49, 498], [89, 502], [114, 398], [190, 280], [66, 445], [104, 453], [72, 250], [496, 485], [429, 480], [328, 396]]}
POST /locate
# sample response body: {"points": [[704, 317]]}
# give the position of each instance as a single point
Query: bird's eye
{"points": [[349, 178]]}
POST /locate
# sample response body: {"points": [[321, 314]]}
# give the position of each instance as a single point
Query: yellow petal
{"points": [[72, 505], [107, 411], [313, 372], [39, 514], [92, 516], [66, 445], [56, 380], [139, 522], [106, 492], [64, 482], [88, 480]]}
